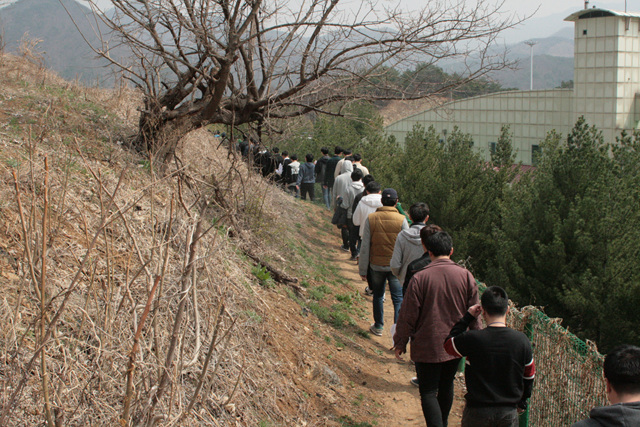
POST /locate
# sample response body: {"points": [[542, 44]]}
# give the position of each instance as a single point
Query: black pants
{"points": [[496, 416], [344, 231], [436, 390], [307, 188], [353, 237]]}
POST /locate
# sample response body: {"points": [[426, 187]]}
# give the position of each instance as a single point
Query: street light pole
{"points": [[531, 43]]}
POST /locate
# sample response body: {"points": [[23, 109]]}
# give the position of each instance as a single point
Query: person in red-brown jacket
{"points": [[436, 298]]}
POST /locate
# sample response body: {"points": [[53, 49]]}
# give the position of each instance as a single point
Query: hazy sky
{"points": [[546, 7], [533, 28]]}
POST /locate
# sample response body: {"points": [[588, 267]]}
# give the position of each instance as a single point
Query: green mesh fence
{"points": [[569, 380]]}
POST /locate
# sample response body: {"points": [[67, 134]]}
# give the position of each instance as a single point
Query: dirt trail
{"points": [[398, 398]]}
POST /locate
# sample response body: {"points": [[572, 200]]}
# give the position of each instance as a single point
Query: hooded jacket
{"points": [[321, 167], [330, 169], [618, 415], [343, 181], [408, 248], [291, 176], [353, 190], [306, 175], [368, 205]]}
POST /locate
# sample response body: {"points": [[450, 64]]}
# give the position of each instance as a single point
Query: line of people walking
{"points": [[437, 313], [435, 301]]}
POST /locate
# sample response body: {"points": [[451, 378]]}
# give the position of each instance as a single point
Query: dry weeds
{"points": [[127, 297]]}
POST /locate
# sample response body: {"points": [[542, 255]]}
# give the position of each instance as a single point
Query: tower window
{"points": [[535, 154], [492, 147], [584, 32]]}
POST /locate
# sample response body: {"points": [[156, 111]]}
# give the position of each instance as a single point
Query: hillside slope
{"points": [[158, 306]]}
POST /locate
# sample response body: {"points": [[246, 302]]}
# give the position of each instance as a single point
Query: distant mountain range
{"points": [[62, 46], [552, 62], [67, 53]]}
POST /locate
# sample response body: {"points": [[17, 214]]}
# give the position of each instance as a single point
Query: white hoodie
{"points": [[367, 205]]}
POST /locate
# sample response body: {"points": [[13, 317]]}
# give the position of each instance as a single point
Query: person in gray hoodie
{"points": [[622, 378], [353, 190], [408, 245], [307, 178], [340, 188], [343, 181]]}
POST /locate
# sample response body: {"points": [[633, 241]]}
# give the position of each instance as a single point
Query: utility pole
{"points": [[531, 44]]}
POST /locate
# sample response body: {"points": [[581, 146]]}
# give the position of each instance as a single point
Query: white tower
{"points": [[607, 69]]}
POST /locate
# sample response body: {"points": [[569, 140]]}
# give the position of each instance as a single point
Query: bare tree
{"points": [[233, 62]]}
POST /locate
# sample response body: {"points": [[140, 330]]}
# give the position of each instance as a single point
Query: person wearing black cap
{"points": [[379, 234]]}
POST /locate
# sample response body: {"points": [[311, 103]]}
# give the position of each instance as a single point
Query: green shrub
{"points": [[263, 276]]}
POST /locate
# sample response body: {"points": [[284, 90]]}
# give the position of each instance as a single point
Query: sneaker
{"points": [[353, 258], [368, 291], [345, 248], [415, 382], [375, 331]]}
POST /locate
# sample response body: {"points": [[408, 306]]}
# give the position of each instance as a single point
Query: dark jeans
{"points": [[436, 390], [353, 237], [327, 194], [490, 416], [378, 282], [291, 188], [309, 188]]}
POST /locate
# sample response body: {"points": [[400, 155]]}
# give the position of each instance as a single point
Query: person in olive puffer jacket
{"points": [[378, 240]]}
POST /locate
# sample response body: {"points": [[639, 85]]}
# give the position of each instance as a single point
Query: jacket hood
{"points": [[621, 414], [357, 185], [372, 200], [412, 234], [347, 166]]}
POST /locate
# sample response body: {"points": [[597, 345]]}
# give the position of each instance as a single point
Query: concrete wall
{"points": [[531, 114]]}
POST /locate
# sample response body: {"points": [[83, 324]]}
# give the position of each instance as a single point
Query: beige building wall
{"points": [[607, 72], [530, 114], [628, 85], [606, 91]]}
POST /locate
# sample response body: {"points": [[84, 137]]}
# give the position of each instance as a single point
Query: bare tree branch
{"points": [[236, 61]]}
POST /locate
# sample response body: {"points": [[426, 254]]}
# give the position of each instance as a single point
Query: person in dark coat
{"points": [[622, 377], [329, 172], [320, 169], [307, 178]]}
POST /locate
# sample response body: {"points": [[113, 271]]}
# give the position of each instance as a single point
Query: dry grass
{"points": [[198, 347]]}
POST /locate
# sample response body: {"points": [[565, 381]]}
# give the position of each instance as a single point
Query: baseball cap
{"points": [[389, 193]]}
